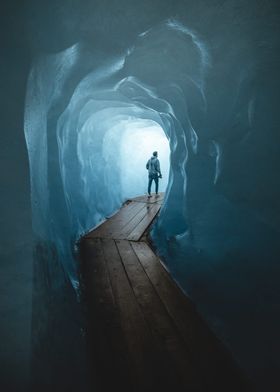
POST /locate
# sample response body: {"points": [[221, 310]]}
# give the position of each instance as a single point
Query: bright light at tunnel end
{"points": [[140, 138]]}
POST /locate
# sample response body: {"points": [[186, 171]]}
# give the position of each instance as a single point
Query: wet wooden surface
{"points": [[131, 221], [144, 334]]}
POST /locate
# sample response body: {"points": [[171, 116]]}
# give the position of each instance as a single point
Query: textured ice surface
{"points": [[80, 136], [216, 100]]}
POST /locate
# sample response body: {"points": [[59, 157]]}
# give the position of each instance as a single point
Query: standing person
{"points": [[153, 166]]}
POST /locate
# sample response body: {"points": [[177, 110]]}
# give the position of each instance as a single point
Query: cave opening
{"points": [[124, 150]]}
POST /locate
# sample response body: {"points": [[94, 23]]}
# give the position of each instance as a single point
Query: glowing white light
{"points": [[140, 138]]}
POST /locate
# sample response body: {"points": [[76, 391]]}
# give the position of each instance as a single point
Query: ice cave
{"points": [[106, 85]]}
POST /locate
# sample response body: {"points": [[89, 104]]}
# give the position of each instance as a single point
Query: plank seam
{"points": [[173, 322], [134, 295], [149, 224]]}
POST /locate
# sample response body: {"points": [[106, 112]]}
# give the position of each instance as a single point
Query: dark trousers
{"points": [[151, 178]]}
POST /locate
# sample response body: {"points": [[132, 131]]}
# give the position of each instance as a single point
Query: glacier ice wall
{"points": [[76, 142], [216, 98]]}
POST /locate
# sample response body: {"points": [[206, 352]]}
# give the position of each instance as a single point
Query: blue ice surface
{"points": [[219, 225]]}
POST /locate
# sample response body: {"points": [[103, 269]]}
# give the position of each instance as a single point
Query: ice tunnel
{"points": [[93, 119], [93, 152]]}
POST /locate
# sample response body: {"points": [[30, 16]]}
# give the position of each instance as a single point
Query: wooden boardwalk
{"points": [[144, 334]]}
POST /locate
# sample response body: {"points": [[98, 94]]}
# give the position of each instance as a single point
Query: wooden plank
{"points": [[128, 228], [105, 336], [211, 358], [112, 226], [145, 358], [127, 210], [144, 332], [154, 199], [123, 219], [142, 226], [160, 323]]}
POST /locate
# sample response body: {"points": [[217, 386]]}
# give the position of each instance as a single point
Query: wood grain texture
{"points": [[144, 333], [209, 355], [131, 221]]}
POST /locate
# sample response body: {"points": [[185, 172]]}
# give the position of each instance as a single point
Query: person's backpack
{"points": [[148, 164]]}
